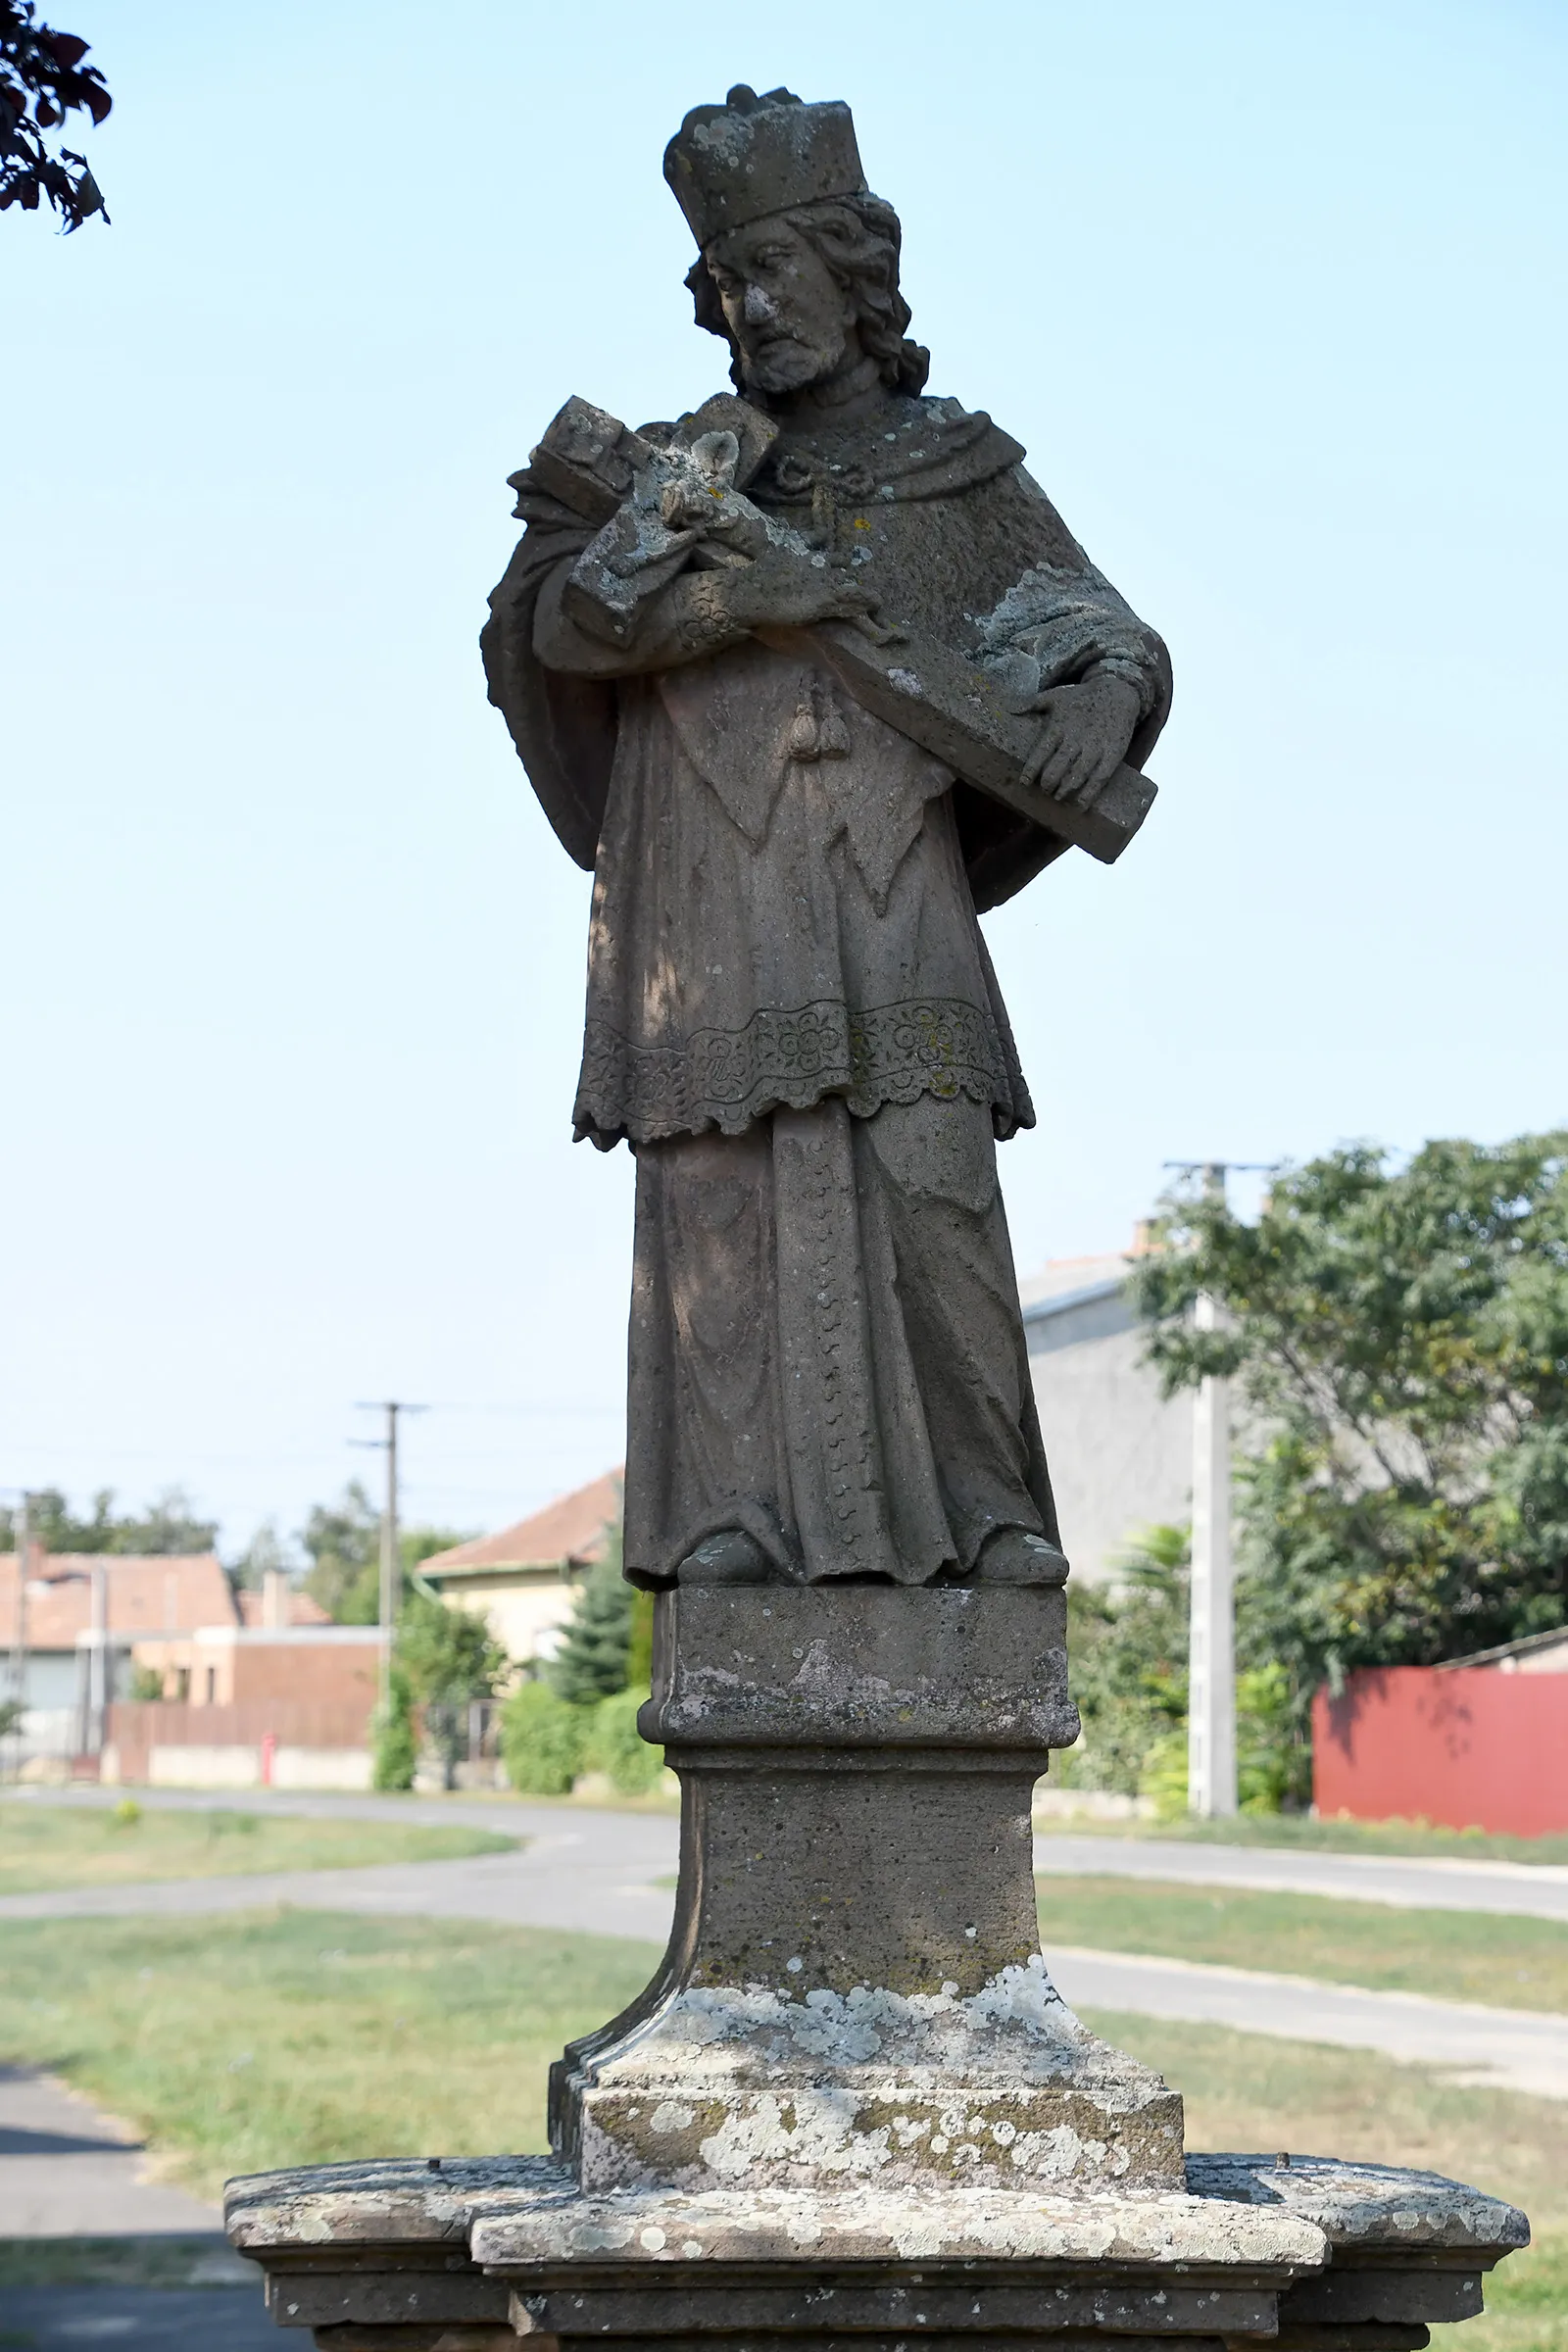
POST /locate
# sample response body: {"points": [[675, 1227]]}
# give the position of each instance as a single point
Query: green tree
{"points": [[343, 1543], [450, 1658], [1400, 1342], [168, 1525], [1127, 1649], [42, 79], [1127, 1653], [595, 1650], [264, 1551]]}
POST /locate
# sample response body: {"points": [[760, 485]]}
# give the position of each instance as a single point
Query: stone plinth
{"points": [[854, 1988], [851, 2109], [470, 2256]]}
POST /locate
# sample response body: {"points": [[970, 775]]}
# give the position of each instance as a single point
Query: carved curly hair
{"points": [[859, 239]]}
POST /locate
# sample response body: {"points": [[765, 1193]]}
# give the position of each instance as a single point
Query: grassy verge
{"points": [[285, 2038], [44, 1849], [1504, 1961], [1300, 1833], [264, 2039], [1243, 2092]]}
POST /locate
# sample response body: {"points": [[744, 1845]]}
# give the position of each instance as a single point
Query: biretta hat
{"points": [[737, 162]]}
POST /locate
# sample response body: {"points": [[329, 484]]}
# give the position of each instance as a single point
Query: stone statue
{"points": [[809, 677], [702, 651]]}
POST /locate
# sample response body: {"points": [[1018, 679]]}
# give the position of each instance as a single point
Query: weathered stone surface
{"points": [[808, 679], [1142, 2232], [854, 1988], [1318, 2255], [863, 1665], [1367, 2208], [396, 2201], [850, 2112]]}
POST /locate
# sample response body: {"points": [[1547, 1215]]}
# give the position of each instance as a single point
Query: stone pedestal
{"points": [[852, 2108]]}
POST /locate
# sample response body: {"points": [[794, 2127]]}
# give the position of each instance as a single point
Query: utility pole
{"points": [[1212, 1642], [1211, 1603], [391, 1565], [19, 1648]]}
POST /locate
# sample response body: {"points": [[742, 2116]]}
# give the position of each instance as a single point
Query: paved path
{"points": [[60, 2161], [598, 1874], [1501, 2049], [139, 2319], [589, 1872], [1534, 1889]]}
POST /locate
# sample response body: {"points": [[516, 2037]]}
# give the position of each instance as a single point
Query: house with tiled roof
{"points": [[524, 1579], [70, 1626]]}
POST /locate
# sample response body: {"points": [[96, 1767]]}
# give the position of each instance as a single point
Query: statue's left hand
{"points": [[1085, 736]]}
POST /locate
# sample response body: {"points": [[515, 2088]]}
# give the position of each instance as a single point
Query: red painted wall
{"points": [[1475, 1749]]}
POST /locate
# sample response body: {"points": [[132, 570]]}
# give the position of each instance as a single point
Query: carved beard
{"points": [[788, 363]]}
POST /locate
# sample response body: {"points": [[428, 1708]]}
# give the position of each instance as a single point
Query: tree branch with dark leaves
{"points": [[42, 80]]}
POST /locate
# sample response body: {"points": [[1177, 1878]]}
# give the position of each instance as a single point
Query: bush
{"points": [[1262, 1750], [543, 1739], [397, 1750], [615, 1747]]}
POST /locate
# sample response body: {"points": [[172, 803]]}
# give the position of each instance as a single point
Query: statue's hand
{"points": [[784, 590], [1085, 737]]}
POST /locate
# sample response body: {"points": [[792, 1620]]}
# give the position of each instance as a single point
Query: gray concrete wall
{"points": [[1121, 1456]]}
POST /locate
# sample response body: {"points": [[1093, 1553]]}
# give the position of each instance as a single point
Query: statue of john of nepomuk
{"points": [[792, 1018]]}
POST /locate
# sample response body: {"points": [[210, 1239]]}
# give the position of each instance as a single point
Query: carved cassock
{"points": [[792, 1017]]}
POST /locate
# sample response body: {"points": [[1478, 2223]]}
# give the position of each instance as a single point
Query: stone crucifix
{"points": [[809, 679]]}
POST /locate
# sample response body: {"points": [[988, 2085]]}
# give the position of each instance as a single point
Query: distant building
{"points": [[70, 1627], [151, 1668], [523, 1581], [275, 1644], [1120, 1453]]}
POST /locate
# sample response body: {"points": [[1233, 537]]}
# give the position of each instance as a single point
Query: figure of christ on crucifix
{"points": [[792, 1018]]}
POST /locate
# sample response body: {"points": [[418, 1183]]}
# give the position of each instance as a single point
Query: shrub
{"points": [[397, 1750], [541, 1740], [615, 1747]]}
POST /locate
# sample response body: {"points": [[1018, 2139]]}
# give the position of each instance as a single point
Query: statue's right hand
{"points": [[781, 589]]}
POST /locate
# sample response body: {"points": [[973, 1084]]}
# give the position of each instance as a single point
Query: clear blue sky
{"points": [[1273, 295]]}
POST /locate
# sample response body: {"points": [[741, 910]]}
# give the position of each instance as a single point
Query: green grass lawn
{"points": [[1300, 1833], [268, 2037], [1500, 1959], [45, 1847], [1245, 2092], [285, 2038]]}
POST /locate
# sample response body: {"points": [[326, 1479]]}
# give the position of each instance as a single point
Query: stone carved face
{"points": [[791, 320]]}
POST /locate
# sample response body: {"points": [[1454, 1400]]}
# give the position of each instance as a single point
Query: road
{"points": [[68, 2172], [1531, 1889], [600, 1872]]}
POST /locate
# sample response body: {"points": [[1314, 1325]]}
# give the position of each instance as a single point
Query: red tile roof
{"points": [[302, 1609], [571, 1529], [146, 1593]]}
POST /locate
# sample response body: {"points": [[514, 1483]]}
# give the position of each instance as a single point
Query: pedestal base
{"points": [[850, 2114], [459, 2256]]}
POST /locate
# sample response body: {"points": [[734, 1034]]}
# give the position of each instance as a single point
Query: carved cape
{"points": [[786, 887]]}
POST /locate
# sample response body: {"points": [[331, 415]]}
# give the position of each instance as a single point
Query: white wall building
{"points": [[1120, 1453]]}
